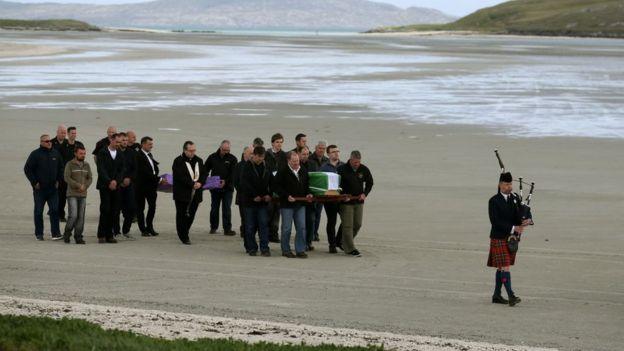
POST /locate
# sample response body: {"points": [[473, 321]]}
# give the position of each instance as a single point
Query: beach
{"points": [[425, 235]]}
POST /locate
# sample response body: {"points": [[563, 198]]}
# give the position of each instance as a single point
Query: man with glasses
{"points": [[44, 170], [331, 208]]}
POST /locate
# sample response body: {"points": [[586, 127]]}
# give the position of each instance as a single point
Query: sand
{"points": [[424, 240], [21, 50]]}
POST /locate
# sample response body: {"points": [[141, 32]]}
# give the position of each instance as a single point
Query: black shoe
{"points": [[188, 242], [274, 239], [514, 300], [288, 254], [310, 247], [213, 231], [39, 238], [340, 247], [111, 240], [66, 240], [332, 250], [80, 242], [152, 232], [355, 253], [146, 234], [316, 238], [57, 237], [229, 233], [302, 255], [265, 254], [102, 240], [62, 219], [499, 299], [253, 253], [66, 237]]}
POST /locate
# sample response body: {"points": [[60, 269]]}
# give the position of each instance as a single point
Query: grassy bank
{"points": [[51, 25], [583, 18], [19, 333]]}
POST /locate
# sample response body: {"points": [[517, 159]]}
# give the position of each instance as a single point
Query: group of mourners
{"points": [[270, 184]]}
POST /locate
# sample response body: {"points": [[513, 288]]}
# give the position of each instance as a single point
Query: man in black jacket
{"points": [[318, 159], [355, 180], [104, 142], [236, 176], [255, 187], [222, 163], [58, 144], [189, 176], [506, 221], [127, 188], [275, 159], [44, 170], [292, 182], [310, 213], [111, 171], [146, 184]]}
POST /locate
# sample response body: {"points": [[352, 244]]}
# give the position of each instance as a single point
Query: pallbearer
{"points": [[355, 180], [506, 221]]}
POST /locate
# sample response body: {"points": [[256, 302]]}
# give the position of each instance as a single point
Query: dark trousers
{"points": [[146, 223], [333, 239], [241, 212], [51, 197], [221, 198], [310, 217], [127, 208], [274, 221], [185, 215], [109, 206], [257, 219], [318, 208], [62, 198]]}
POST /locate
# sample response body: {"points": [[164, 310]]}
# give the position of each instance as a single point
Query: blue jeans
{"points": [[256, 218], [223, 198], [298, 215], [75, 220], [49, 196]]}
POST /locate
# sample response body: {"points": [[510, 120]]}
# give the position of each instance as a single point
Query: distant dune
{"points": [[583, 18]]}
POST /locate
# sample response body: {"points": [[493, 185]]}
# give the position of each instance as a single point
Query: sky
{"points": [[452, 7]]}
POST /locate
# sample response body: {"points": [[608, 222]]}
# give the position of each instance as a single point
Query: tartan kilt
{"points": [[500, 255]]}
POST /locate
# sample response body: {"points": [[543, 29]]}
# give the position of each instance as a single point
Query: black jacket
{"points": [[317, 163], [255, 181], [286, 183], [182, 181], [275, 161], [109, 169], [222, 167], [355, 182], [68, 150], [130, 163], [101, 144], [44, 166], [236, 178], [146, 179], [503, 216]]}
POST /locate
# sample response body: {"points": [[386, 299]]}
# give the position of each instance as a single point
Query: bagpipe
{"points": [[522, 205]]}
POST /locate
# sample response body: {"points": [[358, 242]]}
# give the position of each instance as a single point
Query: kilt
{"points": [[499, 254]]}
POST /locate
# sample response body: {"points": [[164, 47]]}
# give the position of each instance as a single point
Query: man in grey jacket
{"points": [[78, 178]]}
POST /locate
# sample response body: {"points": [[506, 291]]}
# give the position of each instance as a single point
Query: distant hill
{"points": [[52, 25], [232, 14], [584, 18]]}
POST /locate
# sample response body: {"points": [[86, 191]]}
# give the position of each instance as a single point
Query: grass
{"points": [[585, 18], [18, 333], [51, 25]]}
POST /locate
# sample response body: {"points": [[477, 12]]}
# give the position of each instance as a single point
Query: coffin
{"points": [[324, 183]]}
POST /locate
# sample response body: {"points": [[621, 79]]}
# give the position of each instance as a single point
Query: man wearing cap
{"points": [[506, 221]]}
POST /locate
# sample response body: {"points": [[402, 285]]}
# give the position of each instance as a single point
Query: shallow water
{"points": [[518, 86]]}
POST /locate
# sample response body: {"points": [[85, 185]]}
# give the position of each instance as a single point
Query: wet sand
{"points": [[424, 240]]}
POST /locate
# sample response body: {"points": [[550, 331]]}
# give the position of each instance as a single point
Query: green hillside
{"points": [[584, 18], [52, 25]]}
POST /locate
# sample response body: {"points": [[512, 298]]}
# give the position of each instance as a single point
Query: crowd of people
{"points": [[271, 188]]}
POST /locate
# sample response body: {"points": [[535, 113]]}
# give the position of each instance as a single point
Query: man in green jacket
{"points": [[78, 178]]}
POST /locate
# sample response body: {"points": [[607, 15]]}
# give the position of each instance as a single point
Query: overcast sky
{"points": [[452, 7]]}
